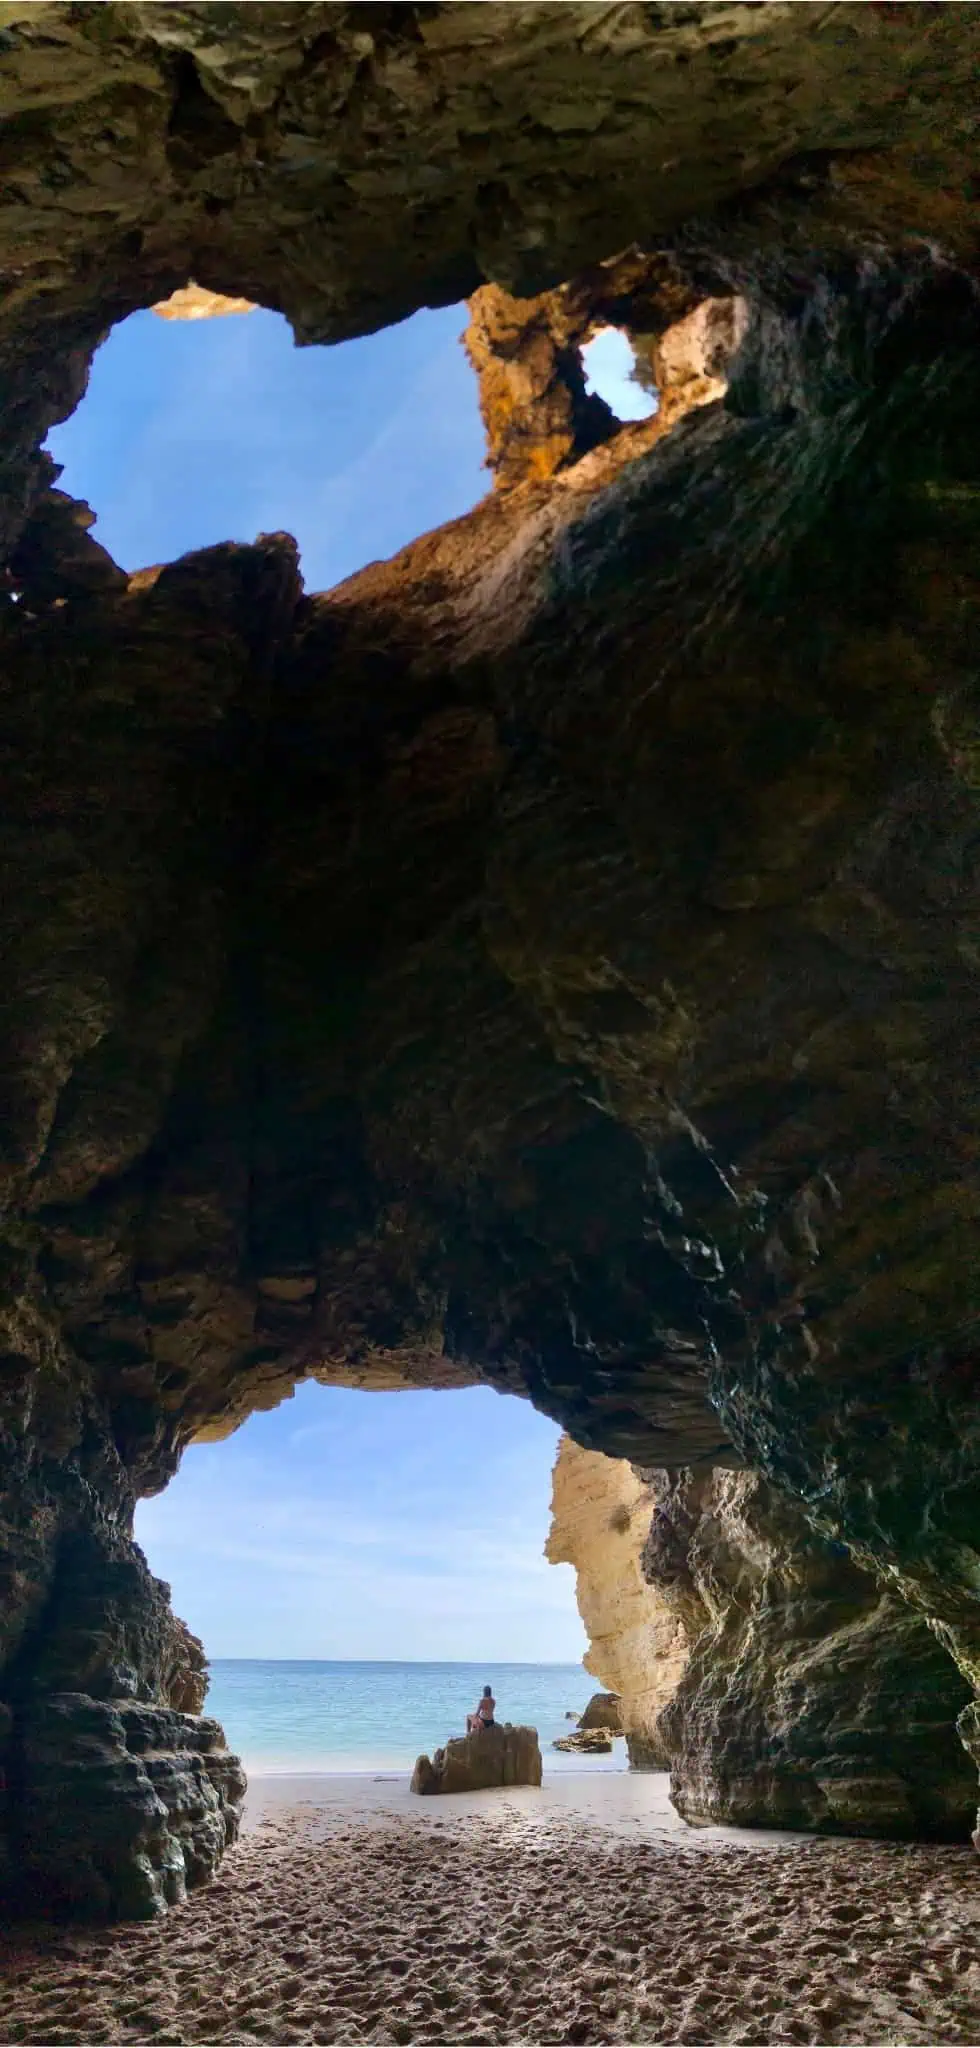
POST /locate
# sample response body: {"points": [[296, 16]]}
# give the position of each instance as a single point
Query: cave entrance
{"points": [[621, 372], [196, 430], [358, 1564]]}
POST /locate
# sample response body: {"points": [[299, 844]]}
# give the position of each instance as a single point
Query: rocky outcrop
{"points": [[638, 1644], [122, 1807], [503, 1755], [527, 353], [118, 1794], [603, 1711], [775, 1679], [811, 1697], [192, 302], [56, 558], [550, 958], [586, 1741]]}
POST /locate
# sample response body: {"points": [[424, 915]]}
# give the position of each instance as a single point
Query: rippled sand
{"points": [[581, 1914]]}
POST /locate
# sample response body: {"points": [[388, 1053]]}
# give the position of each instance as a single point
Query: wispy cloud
{"points": [[215, 430], [397, 1526]]}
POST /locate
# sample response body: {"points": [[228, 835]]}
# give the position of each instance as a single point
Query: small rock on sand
{"points": [[587, 1741]]}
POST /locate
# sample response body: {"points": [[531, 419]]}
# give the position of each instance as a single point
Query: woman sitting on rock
{"points": [[483, 1718]]}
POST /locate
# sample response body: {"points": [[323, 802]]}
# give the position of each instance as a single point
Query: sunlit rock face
{"points": [[602, 1714], [638, 1642], [549, 959], [192, 302], [527, 353]]}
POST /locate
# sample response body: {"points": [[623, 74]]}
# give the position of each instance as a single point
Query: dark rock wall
{"points": [[145, 703], [121, 1809], [777, 1682], [549, 958], [811, 1697], [116, 1793]]}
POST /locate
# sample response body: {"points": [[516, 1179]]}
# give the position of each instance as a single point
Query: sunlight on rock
{"points": [[528, 950], [194, 302]]}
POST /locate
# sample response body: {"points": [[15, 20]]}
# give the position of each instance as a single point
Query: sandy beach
{"points": [[583, 1913]]}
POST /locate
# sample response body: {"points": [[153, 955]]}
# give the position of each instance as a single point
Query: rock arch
{"points": [[549, 957]]}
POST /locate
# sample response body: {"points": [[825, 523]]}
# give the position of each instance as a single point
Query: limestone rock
{"points": [[192, 302], [185, 1680], [586, 1741], [548, 960], [121, 1807], [603, 1711], [56, 558], [811, 1698], [539, 419], [504, 1755], [461, 1202], [600, 1517], [648, 1752], [781, 1687], [120, 1797], [349, 173]]}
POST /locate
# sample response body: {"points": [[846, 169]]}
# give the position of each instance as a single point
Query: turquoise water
{"points": [[310, 1716]]}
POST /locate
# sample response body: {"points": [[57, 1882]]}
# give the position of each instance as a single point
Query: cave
{"points": [[549, 958]]}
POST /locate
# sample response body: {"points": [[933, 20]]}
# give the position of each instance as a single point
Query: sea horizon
{"points": [[350, 1716], [434, 1663]]}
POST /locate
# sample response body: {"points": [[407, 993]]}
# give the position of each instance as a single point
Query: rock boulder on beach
{"points": [[603, 1712], [586, 1741], [504, 1755]]}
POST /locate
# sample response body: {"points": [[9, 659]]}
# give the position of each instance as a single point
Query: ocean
{"points": [[292, 1717]]}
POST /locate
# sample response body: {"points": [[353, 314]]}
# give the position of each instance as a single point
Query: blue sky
{"points": [[609, 363], [343, 1524], [370, 1525], [199, 431]]}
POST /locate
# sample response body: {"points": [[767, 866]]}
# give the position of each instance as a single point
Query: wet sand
{"points": [[586, 1913]]}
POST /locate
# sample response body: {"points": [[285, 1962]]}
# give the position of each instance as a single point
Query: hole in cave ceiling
{"points": [[198, 430], [618, 373]]}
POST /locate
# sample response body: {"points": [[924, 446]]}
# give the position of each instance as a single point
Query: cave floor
{"points": [[586, 1914]]}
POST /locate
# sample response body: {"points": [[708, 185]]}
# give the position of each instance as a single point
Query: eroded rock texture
{"points": [[125, 1807], [503, 1755], [347, 168], [602, 1712], [638, 1641], [586, 1742], [779, 1683], [811, 1697], [527, 353], [551, 957], [118, 1794], [193, 302]]}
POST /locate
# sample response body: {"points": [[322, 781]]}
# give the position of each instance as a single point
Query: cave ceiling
{"points": [[346, 164], [551, 957]]}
